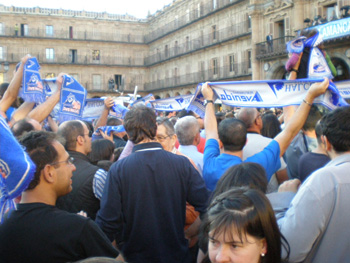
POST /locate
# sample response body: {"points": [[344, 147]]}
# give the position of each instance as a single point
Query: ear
{"points": [[49, 174], [221, 145], [328, 145], [80, 140], [264, 246]]}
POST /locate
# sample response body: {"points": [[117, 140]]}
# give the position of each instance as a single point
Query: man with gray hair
{"points": [[187, 130], [256, 143]]}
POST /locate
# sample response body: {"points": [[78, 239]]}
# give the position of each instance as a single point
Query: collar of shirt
{"points": [[149, 146]]}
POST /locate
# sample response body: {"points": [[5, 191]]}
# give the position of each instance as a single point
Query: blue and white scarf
{"points": [[143, 100], [172, 104], [119, 111], [318, 67], [32, 86], [72, 102], [269, 93], [16, 169]]}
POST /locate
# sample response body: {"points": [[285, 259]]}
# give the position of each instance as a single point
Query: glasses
{"points": [[89, 133], [70, 160], [162, 138]]}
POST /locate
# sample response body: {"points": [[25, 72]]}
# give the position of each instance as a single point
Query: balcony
{"points": [[223, 73], [276, 48], [205, 41], [63, 34], [77, 60], [191, 17]]}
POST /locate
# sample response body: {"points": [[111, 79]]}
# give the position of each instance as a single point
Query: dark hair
{"points": [[271, 126], [169, 127], [70, 130], [314, 116], [101, 149], [140, 123], [233, 134], [318, 131], [112, 121], [3, 88], [117, 152], [249, 174], [38, 144], [220, 116], [20, 127], [184, 113], [248, 211], [336, 127]]}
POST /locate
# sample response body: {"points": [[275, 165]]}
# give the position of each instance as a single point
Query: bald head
{"points": [[70, 130], [186, 130], [248, 116]]}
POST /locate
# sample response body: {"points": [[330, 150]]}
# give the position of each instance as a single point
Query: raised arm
{"points": [[12, 91], [297, 121], [43, 110], [210, 123], [102, 121]]}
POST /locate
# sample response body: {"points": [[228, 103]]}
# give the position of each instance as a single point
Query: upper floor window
{"points": [[213, 29], [49, 30], [214, 64], [96, 55], [249, 59], [215, 4], [50, 53], [1, 53], [231, 62], [2, 29]]}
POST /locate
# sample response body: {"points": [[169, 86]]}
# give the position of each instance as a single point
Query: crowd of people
{"points": [[249, 185]]}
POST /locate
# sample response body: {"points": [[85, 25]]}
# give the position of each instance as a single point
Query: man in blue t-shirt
{"points": [[224, 145]]}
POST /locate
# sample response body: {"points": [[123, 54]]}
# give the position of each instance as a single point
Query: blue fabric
{"points": [[215, 164], [73, 97], [296, 45], [32, 86], [16, 169], [109, 129], [120, 110], [144, 201], [143, 100]]}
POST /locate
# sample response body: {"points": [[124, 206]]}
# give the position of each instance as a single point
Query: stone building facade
{"points": [[170, 52]]}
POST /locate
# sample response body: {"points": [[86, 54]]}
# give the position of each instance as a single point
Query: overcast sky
{"points": [[137, 8]]}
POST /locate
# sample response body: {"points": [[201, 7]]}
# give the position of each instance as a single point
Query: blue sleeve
{"points": [[109, 217], [210, 174], [269, 158]]}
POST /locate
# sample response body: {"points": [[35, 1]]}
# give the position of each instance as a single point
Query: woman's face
{"points": [[223, 249]]}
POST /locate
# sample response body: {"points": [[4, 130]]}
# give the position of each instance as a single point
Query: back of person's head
{"points": [[318, 131], [229, 114], [112, 121], [336, 127], [140, 124], [70, 130], [271, 126], [186, 130], [248, 174], [184, 113], [39, 146], [220, 116], [314, 116], [117, 152], [240, 212], [247, 115], [101, 149], [89, 126], [22, 126], [233, 134]]}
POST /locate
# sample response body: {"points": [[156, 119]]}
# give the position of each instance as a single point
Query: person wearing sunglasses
{"points": [[88, 179]]}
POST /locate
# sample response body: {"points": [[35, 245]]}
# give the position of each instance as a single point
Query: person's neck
{"points": [[311, 134], [238, 153], [147, 140], [320, 150], [253, 130], [39, 196]]}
